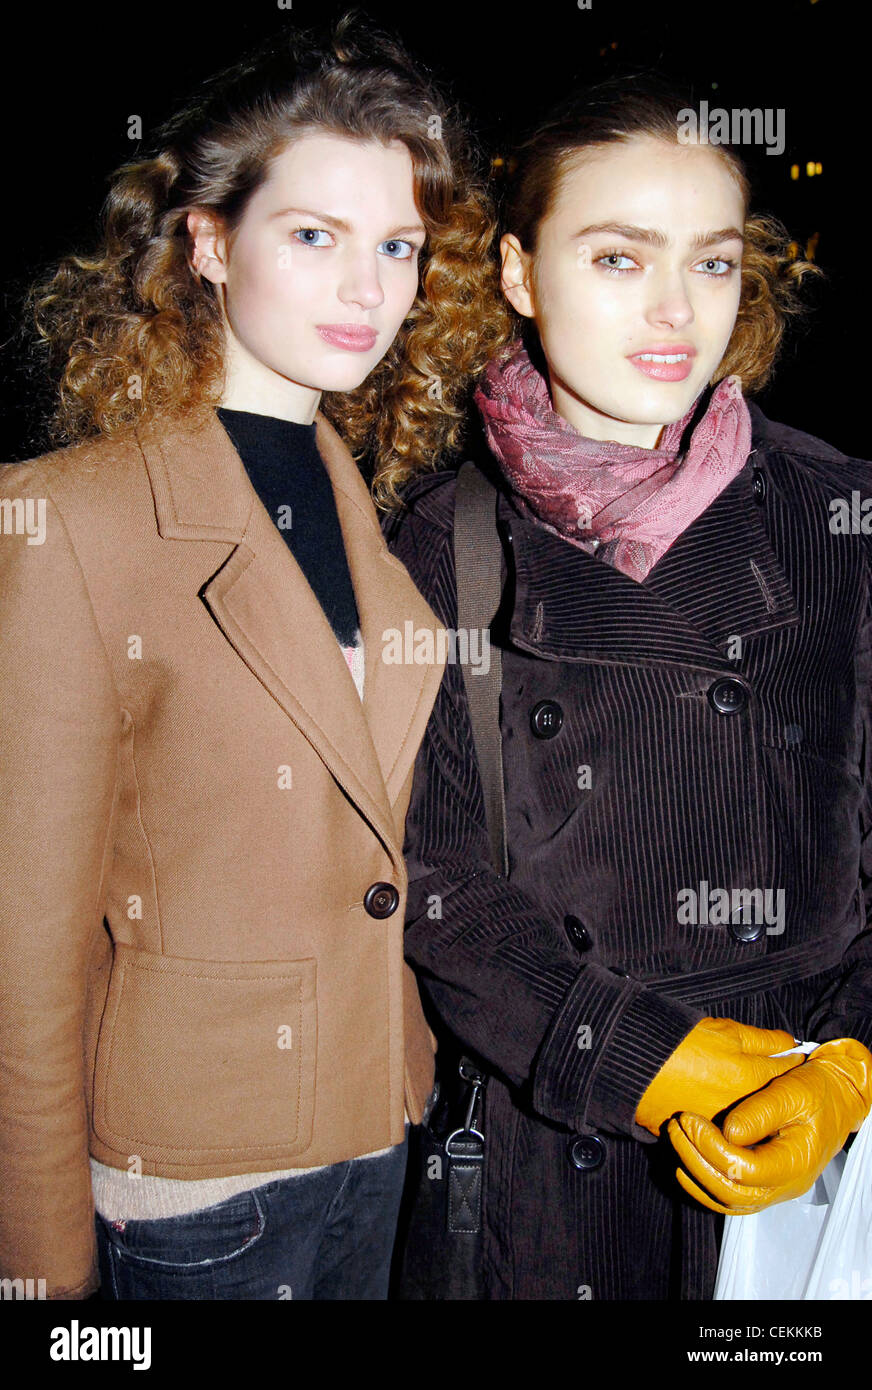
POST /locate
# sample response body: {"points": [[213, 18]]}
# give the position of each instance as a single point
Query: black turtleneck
{"points": [[281, 458]]}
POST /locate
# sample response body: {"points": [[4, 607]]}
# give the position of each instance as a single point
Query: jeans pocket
{"points": [[192, 1242]]}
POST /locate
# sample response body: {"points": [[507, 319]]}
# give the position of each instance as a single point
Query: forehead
{"points": [[338, 174], [648, 182]]}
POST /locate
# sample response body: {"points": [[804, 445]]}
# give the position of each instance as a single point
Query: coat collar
{"points": [[720, 579], [261, 600]]}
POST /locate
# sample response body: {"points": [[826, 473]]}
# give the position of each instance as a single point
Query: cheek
{"points": [[268, 275], [724, 311], [560, 297], [265, 296], [581, 301], [400, 290]]}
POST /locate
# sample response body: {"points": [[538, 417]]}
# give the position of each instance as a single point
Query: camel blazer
{"points": [[194, 978]]}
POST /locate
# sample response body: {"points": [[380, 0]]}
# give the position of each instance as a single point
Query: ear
{"points": [[209, 249], [516, 277]]}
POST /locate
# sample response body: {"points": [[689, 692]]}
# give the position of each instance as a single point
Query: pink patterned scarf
{"points": [[626, 503]]}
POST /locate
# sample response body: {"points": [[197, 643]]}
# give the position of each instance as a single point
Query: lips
{"points": [[353, 337], [665, 361]]}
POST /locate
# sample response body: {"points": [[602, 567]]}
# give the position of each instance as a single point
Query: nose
{"points": [[669, 306], [360, 282]]}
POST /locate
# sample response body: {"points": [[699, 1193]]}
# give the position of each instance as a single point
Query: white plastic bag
{"points": [[818, 1246]]}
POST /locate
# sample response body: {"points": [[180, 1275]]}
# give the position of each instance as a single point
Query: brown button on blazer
{"points": [[194, 803]]}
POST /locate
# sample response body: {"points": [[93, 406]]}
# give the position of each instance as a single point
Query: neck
{"points": [[252, 386], [594, 425]]}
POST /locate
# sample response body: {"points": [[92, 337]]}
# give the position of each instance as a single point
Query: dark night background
{"points": [[74, 74], [82, 73]]}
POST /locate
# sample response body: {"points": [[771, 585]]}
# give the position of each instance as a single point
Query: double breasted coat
{"points": [[687, 777], [201, 827]]}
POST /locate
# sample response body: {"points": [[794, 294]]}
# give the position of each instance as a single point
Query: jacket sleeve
{"points": [[58, 749], [502, 976], [845, 1009]]}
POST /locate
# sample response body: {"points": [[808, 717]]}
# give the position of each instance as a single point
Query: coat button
{"points": [[587, 1152], [381, 900], [758, 485], [746, 931], [577, 933], [546, 719], [728, 696]]}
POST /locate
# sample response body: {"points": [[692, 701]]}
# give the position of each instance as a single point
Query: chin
{"points": [[343, 384], [345, 376], [667, 406], [332, 378], [647, 413]]}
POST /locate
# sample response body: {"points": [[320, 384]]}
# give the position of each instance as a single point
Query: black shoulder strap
{"points": [[478, 555]]}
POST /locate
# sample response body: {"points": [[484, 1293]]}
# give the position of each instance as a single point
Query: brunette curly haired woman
{"points": [[136, 332], [207, 1030], [686, 733]]}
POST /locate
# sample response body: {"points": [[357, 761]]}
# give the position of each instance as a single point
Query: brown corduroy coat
{"points": [[195, 802], [707, 729]]}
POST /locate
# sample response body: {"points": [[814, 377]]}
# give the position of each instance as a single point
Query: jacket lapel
{"points": [[720, 579], [398, 696], [265, 607]]}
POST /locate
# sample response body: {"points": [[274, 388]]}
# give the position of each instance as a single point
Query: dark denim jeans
{"points": [[324, 1235]]}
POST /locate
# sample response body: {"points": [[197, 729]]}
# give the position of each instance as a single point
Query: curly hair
{"points": [[620, 109], [771, 276], [133, 332]]}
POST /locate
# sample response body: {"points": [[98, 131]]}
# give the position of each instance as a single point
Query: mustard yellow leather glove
{"points": [[719, 1062], [810, 1113]]}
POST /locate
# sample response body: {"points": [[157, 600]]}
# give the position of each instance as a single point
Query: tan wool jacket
{"points": [[195, 978]]}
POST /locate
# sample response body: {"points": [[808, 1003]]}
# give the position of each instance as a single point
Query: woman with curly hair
{"points": [[684, 731], [210, 1041]]}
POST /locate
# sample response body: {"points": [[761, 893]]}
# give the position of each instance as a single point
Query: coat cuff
{"points": [[606, 1043]]}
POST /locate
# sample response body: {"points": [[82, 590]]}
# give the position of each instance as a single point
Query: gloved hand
{"points": [[811, 1112], [719, 1062]]}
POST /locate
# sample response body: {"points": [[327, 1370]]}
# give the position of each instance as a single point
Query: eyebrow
{"points": [[342, 226], [659, 239]]}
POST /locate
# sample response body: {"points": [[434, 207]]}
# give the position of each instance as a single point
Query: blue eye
{"points": [[304, 234], [612, 256], [405, 252], [717, 260]]}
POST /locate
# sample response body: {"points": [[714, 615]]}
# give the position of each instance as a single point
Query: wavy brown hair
{"points": [[136, 309], [636, 105]]}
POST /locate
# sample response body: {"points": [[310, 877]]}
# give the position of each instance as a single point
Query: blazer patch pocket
{"points": [[170, 1085]]}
